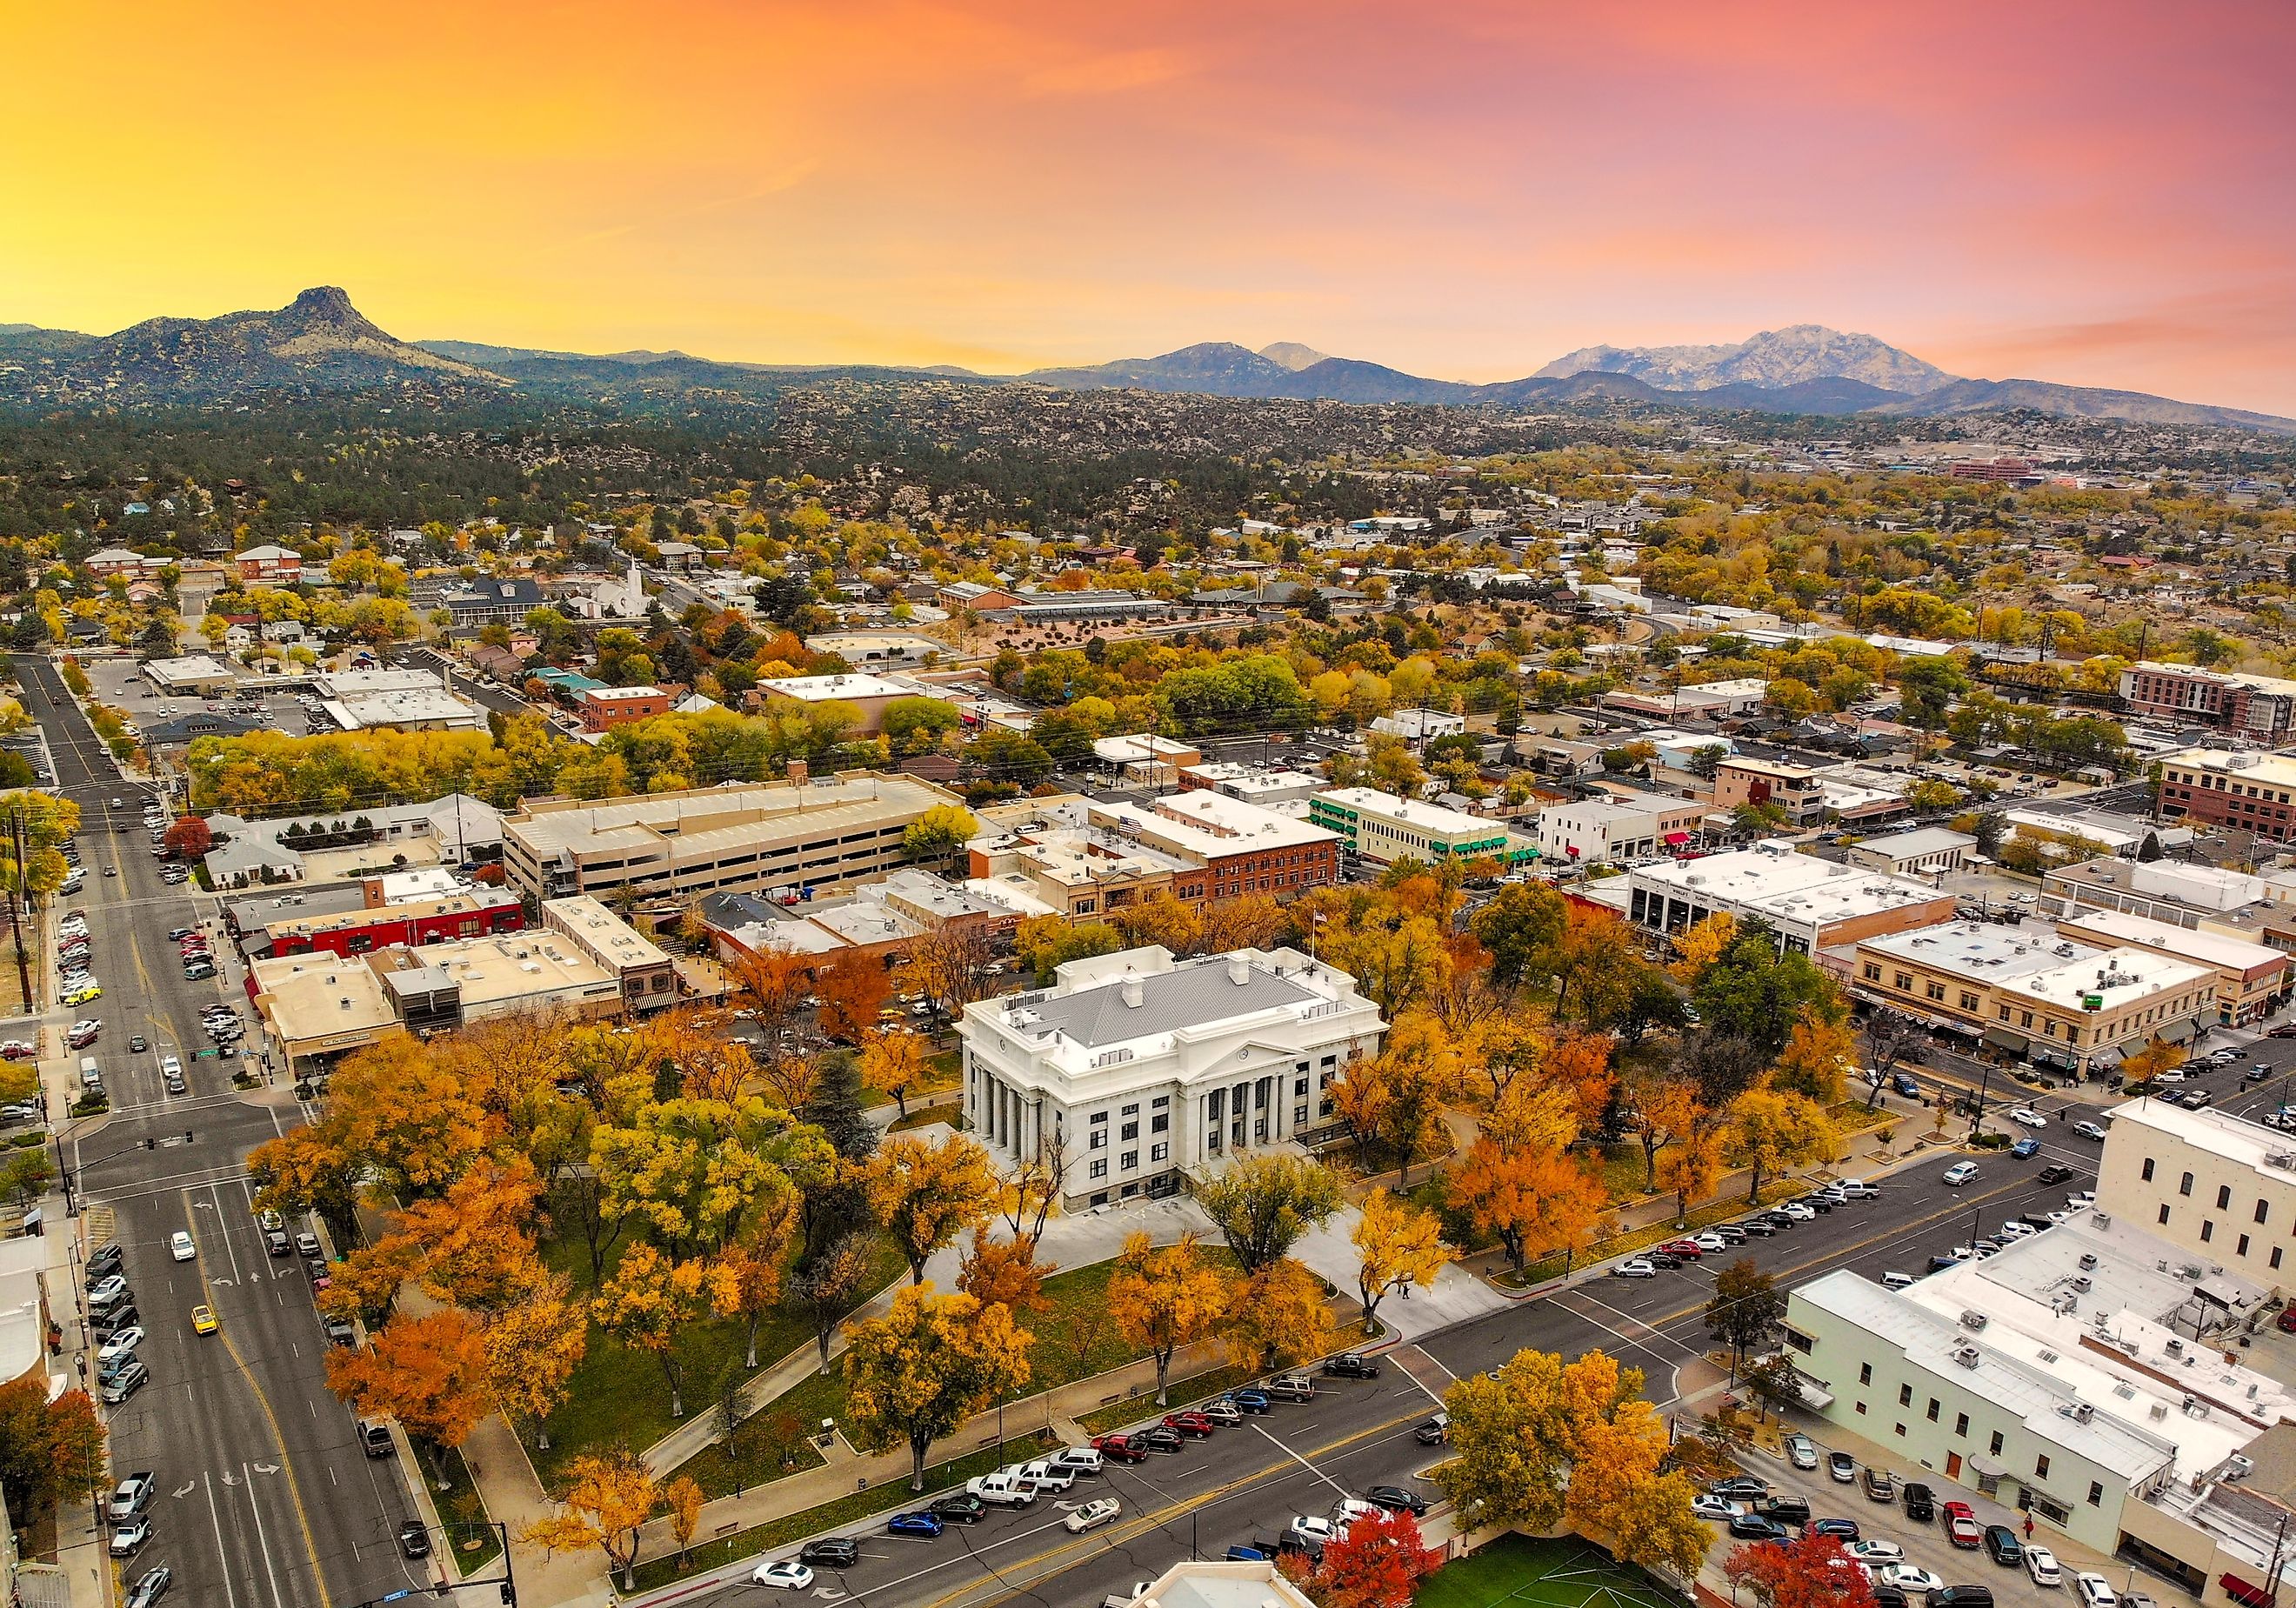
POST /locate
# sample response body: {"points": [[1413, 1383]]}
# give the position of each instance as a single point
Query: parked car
{"points": [[1960, 1173], [1879, 1486], [1688, 1249], [129, 1539], [1876, 1551], [962, 1508], [1099, 1511], [785, 1574], [1800, 1450], [1291, 1386], [1921, 1504], [1156, 1437], [1395, 1499], [831, 1552], [131, 1496], [1351, 1365], [1841, 1466], [1252, 1400], [1908, 1576], [1844, 1531], [2094, 1590], [1190, 1423], [414, 1539], [1741, 1487], [1704, 1506], [155, 1582], [1961, 1525], [123, 1383], [2001, 1544], [912, 1524], [1635, 1266], [1119, 1449], [1223, 1412], [2042, 1564], [1753, 1527]]}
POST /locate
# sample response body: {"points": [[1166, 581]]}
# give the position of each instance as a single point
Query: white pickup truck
{"points": [[1002, 1489]]}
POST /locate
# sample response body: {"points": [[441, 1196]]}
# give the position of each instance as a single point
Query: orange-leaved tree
{"points": [[1377, 1562], [852, 992], [427, 1371]]}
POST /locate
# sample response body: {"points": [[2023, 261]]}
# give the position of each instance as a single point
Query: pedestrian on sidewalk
{"points": [[2028, 1527]]}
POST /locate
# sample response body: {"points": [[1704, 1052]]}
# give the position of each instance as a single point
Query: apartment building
{"points": [[1241, 848], [743, 837], [2244, 791], [2261, 709], [1811, 904], [1926, 851], [2252, 979], [2035, 994], [1382, 827], [1135, 1067]]}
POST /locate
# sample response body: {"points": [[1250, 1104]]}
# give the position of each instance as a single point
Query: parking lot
{"points": [[1925, 1545], [116, 683]]}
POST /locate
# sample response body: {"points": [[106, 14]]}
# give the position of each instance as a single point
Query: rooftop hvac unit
{"points": [[2237, 1467], [2174, 1346], [2081, 1282], [2189, 1270], [1972, 1320], [2088, 1259], [2084, 1413], [2103, 1219], [2281, 1159], [1966, 1355]]}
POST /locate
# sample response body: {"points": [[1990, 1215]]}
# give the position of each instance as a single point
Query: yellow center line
{"points": [[278, 1440]]}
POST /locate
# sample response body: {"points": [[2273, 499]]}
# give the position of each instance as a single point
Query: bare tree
{"points": [[1037, 1185], [1892, 1038], [951, 965]]}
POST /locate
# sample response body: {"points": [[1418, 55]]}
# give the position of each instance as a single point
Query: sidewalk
{"points": [[1068, 1242], [1056, 1410]]}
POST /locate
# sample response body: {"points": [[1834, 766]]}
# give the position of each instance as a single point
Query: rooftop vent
{"points": [[1972, 1320], [1966, 1355], [1239, 970], [1132, 992]]}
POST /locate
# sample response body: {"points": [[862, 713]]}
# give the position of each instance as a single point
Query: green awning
{"points": [[2002, 1038]]}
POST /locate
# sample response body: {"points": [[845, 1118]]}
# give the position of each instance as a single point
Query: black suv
{"points": [[1348, 1365], [2053, 1174], [1920, 1506], [2001, 1543], [831, 1552], [963, 1508]]}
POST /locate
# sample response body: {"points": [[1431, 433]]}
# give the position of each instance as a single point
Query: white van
{"points": [[91, 1075]]}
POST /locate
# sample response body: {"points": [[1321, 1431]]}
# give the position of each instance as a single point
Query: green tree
{"points": [[1746, 1302], [1265, 1201]]}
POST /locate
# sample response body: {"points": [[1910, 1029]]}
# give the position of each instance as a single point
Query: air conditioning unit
{"points": [[2173, 1346], [1966, 1355], [2084, 1413], [2088, 1260], [2082, 1282], [1972, 1320]]}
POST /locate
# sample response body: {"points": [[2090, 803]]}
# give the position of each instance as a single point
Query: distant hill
{"points": [[1775, 358], [318, 342], [1292, 356], [2077, 402]]}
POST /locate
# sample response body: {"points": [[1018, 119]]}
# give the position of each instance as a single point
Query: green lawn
{"points": [[891, 1497], [618, 1397], [1185, 1392], [470, 1539], [1524, 1573], [1074, 1340]]}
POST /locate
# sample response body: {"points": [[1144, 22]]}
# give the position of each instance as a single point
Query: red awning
{"points": [[1677, 839], [2241, 1591]]}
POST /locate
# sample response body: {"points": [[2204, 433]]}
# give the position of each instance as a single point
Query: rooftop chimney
{"points": [[1239, 970], [1132, 996]]}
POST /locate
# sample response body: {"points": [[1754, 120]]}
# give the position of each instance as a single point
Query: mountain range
{"points": [[321, 344]]}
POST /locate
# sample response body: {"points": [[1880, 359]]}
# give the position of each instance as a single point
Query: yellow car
{"points": [[203, 1320]]}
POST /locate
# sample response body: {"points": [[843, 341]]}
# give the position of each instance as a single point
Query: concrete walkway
{"points": [[1068, 1242], [1456, 1297]]}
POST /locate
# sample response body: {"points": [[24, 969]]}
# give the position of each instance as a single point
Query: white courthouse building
{"points": [[1135, 1067]]}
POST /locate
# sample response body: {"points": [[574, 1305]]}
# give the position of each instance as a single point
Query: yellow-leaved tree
{"points": [[1771, 1129], [928, 1365], [1817, 1059], [611, 1498], [923, 1194], [1163, 1299], [1397, 1246]]}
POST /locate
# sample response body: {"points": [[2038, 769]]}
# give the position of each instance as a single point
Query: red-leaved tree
{"points": [[1376, 1564], [1811, 1572], [188, 839]]}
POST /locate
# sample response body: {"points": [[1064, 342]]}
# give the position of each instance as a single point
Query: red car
{"points": [[1189, 1423], [1687, 1248], [1961, 1525], [1119, 1448]]}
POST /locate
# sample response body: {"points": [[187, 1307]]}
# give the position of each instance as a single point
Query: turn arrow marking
{"points": [[187, 1490], [267, 1468], [231, 1480]]}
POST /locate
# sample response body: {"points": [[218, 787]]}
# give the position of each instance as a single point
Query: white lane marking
{"points": [[1302, 1462], [222, 1557], [263, 1545]]}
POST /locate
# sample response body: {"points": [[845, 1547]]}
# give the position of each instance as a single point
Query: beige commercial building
{"points": [[2035, 994], [2252, 978], [745, 838], [869, 696], [584, 961]]}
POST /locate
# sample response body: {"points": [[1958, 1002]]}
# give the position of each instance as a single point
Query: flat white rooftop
{"points": [[2192, 943], [1430, 818], [1772, 879], [827, 689], [2115, 978], [1982, 950]]}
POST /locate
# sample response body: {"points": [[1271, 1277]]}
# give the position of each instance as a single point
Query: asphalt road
{"points": [[264, 1499], [1249, 1482]]}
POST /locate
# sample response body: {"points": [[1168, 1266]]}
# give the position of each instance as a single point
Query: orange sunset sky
{"points": [[2101, 194]]}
